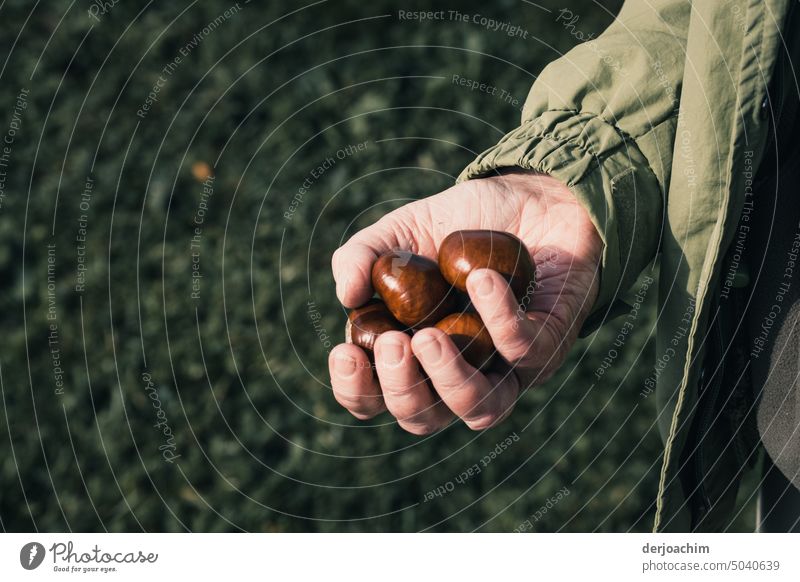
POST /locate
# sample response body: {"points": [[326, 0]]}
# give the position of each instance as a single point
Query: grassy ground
{"points": [[137, 396]]}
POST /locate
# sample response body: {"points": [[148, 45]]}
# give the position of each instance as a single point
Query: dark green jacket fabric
{"points": [[657, 126]]}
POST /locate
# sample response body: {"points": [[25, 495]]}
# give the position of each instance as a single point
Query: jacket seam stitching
{"points": [[701, 294]]}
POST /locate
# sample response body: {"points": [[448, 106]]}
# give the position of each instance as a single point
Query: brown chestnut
{"points": [[470, 336], [465, 250], [366, 323], [413, 288]]}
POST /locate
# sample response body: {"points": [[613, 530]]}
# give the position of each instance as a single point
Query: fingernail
{"points": [[485, 285], [345, 366], [431, 349], [392, 353]]}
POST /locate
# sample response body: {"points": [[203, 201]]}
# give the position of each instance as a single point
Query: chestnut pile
{"points": [[416, 292]]}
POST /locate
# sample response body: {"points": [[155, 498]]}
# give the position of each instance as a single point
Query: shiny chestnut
{"points": [[413, 288], [470, 336], [366, 323], [465, 250]]}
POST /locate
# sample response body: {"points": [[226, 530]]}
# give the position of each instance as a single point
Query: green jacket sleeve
{"points": [[602, 120]]}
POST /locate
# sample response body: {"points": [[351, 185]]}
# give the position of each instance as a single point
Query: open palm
{"points": [[566, 248]]}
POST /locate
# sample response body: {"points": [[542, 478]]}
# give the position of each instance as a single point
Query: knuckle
{"points": [[364, 415], [483, 421], [495, 314], [515, 350], [360, 405], [411, 410], [401, 392], [446, 382], [417, 429]]}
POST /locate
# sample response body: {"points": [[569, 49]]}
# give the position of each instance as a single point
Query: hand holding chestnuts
{"points": [[418, 293]]}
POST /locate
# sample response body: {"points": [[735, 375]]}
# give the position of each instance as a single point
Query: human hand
{"points": [[532, 344]]}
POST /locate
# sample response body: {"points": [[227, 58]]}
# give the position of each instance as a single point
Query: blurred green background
{"points": [[264, 93]]}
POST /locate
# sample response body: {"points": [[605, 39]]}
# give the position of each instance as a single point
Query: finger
{"points": [[352, 262], [407, 394], [525, 339], [353, 383], [465, 391]]}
